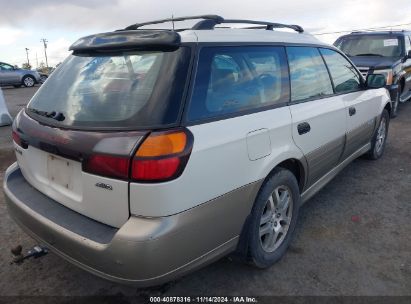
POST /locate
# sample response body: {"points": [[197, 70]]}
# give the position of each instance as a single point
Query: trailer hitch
{"points": [[35, 252]]}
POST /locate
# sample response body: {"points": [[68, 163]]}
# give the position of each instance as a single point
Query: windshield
{"points": [[371, 45], [138, 89]]}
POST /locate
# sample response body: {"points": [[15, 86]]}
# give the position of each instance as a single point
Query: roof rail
{"points": [[215, 18], [268, 25], [210, 21]]}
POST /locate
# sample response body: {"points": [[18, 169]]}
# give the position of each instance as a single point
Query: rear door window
{"points": [[308, 73], [344, 75], [234, 80]]}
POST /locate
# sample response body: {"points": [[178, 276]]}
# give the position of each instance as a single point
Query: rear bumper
{"points": [[144, 251]]}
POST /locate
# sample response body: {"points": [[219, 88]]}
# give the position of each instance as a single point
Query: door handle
{"points": [[303, 128], [352, 111]]}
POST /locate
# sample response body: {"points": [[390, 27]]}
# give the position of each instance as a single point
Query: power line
{"points": [[359, 30]]}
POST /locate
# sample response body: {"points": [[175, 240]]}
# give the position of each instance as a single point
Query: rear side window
{"points": [[345, 77], [232, 80], [133, 89]]}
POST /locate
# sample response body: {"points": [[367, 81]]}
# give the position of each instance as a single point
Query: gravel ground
{"points": [[353, 238]]}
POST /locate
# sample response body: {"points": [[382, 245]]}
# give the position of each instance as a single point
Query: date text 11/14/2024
{"points": [[204, 299]]}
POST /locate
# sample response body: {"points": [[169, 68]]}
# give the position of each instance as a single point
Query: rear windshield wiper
{"points": [[369, 54], [53, 114]]}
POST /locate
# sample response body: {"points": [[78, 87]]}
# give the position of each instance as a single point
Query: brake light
{"points": [[155, 169], [162, 156], [16, 138], [108, 165]]}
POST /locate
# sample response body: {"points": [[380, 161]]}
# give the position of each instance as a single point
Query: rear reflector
{"points": [[107, 165], [155, 169]]}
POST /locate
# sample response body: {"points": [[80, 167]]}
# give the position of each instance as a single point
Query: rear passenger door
{"points": [[318, 117], [240, 119], [361, 105]]}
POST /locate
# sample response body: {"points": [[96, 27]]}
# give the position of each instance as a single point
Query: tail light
{"points": [[16, 138], [107, 165], [162, 156]]}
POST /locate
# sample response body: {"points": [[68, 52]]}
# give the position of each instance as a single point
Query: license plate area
{"points": [[60, 172]]}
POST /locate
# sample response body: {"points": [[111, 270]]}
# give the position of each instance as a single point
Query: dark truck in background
{"points": [[383, 52]]}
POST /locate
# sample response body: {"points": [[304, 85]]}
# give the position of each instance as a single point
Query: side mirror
{"points": [[409, 54], [15, 67], [376, 81]]}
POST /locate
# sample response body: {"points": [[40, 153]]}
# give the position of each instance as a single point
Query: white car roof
{"points": [[247, 35]]}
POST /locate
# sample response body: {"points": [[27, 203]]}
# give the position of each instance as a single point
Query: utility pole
{"points": [[45, 51], [27, 54]]}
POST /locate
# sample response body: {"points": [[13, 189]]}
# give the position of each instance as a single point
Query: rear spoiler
{"points": [[127, 40]]}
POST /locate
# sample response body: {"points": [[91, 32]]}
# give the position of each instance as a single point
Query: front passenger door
{"points": [[318, 117], [362, 106], [407, 69]]}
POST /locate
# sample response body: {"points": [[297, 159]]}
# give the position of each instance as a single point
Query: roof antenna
{"points": [[172, 20]]}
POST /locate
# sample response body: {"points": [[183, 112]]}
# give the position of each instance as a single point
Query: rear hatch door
{"points": [[101, 105]]}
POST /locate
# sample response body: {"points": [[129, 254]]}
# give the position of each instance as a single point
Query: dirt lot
{"points": [[332, 254]]}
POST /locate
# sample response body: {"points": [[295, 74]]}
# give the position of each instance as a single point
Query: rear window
{"points": [[372, 45], [139, 89]]}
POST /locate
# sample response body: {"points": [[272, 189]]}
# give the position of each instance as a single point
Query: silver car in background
{"points": [[10, 75]]}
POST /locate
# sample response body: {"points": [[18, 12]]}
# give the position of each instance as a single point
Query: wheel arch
{"points": [[401, 83], [297, 167], [388, 107], [28, 75]]}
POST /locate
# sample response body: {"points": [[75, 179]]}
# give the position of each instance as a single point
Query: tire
{"points": [[28, 81], [396, 104], [379, 138], [266, 243]]}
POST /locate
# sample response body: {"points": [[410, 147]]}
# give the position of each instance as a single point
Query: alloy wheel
{"points": [[29, 82], [381, 135], [276, 218]]}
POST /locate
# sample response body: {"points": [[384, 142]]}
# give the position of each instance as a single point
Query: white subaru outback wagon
{"points": [[148, 153]]}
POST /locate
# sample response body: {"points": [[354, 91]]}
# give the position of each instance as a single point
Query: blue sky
{"points": [[23, 23]]}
